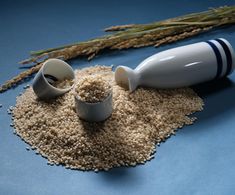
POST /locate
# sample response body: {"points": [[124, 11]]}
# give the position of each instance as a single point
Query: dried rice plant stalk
{"points": [[133, 36]]}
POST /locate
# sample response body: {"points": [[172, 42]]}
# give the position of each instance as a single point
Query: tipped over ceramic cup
{"points": [[52, 71]]}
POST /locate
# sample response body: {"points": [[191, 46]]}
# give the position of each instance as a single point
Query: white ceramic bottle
{"points": [[180, 67]]}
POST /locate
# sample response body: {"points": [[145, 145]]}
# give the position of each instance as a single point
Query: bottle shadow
{"points": [[213, 87], [218, 96]]}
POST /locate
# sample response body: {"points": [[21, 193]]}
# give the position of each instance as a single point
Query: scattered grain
{"points": [[9, 111], [139, 121]]}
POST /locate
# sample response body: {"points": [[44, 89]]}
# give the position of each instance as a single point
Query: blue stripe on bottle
{"points": [[218, 58], [228, 56]]}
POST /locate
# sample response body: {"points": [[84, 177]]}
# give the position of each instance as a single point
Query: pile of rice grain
{"points": [[139, 121], [92, 89]]}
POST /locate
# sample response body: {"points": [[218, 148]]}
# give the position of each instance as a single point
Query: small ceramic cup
{"points": [[52, 70], [94, 112]]}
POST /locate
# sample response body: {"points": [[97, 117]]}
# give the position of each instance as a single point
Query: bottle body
{"points": [[184, 66]]}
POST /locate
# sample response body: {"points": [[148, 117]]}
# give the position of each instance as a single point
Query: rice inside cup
{"points": [[93, 98]]}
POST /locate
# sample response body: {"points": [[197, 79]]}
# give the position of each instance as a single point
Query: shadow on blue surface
{"points": [[119, 175], [123, 176], [213, 87], [219, 96]]}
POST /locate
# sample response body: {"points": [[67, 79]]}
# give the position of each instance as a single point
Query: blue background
{"points": [[200, 159]]}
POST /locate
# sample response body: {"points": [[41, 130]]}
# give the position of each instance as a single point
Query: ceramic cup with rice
{"points": [[52, 71], [93, 100]]}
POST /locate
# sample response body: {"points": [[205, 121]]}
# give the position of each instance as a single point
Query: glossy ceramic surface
{"points": [[58, 70], [181, 67], [94, 112]]}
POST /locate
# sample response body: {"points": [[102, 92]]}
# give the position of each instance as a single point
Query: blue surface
{"points": [[200, 159]]}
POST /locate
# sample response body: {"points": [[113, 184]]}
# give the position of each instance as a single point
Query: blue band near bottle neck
{"points": [[228, 56], [218, 59]]}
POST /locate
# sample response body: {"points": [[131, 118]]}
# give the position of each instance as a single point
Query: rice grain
{"points": [[92, 89], [139, 121]]}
